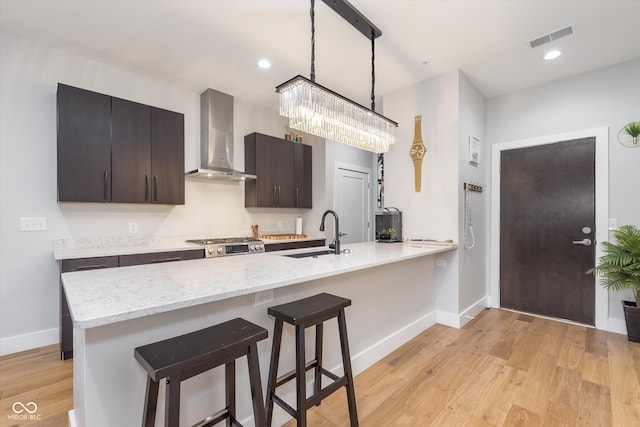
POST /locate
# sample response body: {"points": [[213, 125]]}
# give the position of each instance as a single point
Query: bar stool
{"points": [[302, 314], [185, 356]]}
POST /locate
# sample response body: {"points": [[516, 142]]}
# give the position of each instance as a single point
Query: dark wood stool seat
{"points": [[312, 311], [185, 356]]}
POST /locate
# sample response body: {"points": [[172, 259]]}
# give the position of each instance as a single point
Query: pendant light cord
{"points": [[313, 42], [373, 71]]}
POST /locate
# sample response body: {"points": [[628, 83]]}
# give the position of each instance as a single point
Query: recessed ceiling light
{"points": [[264, 64], [553, 54]]}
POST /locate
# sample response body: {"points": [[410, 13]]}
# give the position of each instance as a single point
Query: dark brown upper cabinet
{"points": [[84, 145], [141, 150], [167, 157], [283, 170], [130, 152]]}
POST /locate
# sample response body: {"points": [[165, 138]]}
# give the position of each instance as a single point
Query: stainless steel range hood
{"points": [[216, 139]]}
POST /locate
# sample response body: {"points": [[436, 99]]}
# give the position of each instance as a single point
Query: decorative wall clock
{"points": [[417, 152]]}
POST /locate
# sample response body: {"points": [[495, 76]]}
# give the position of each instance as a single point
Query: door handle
{"points": [[584, 242]]}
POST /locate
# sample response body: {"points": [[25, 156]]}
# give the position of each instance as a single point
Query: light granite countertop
{"points": [[102, 297], [119, 245]]}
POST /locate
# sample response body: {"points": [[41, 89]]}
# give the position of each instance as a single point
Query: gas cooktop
{"points": [[216, 247]]}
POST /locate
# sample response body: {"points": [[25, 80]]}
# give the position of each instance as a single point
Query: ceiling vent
{"points": [[547, 38]]}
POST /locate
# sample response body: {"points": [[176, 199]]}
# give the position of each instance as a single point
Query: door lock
{"points": [[584, 242]]}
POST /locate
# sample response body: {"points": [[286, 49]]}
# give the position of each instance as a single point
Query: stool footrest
{"points": [[284, 405], [292, 374], [216, 418], [316, 398], [329, 374]]}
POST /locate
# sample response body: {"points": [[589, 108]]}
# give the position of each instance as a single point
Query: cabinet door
{"points": [[281, 168], [271, 160], [167, 157], [158, 257], [130, 151], [303, 175], [66, 323], [84, 145]]}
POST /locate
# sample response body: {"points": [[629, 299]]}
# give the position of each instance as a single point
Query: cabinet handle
{"points": [[297, 196], [91, 267], [275, 202], [155, 188], [155, 261], [105, 185], [278, 195], [146, 187]]}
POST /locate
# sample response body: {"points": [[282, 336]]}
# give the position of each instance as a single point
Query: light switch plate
{"points": [[33, 223], [613, 224]]}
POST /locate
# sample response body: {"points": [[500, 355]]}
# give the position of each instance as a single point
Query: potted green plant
{"points": [[632, 129], [387, 233], [620, 269]]}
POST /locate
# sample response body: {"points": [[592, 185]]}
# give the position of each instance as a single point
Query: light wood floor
{"points": [[502, 369]]}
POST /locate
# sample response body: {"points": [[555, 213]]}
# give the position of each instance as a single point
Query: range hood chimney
{"points": [[216, 139]]}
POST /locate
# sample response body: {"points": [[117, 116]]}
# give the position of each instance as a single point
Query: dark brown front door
{"points": [[547, 210]]}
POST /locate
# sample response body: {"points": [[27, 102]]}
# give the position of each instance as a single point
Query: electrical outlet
{"points": [[133, 227], [441, 262], [280, 224], [33, 223], [264, 297]]}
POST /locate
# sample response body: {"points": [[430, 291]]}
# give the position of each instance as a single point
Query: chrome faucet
{"points": [[336, 241]]}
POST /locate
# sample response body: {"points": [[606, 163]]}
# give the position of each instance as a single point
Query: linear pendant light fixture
{"points": [[314, 109]]}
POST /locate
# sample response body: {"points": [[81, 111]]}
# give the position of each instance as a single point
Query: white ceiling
{"points": [[217, 43]]}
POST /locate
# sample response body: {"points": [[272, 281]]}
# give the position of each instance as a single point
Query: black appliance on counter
{"points": [[389, 225]]}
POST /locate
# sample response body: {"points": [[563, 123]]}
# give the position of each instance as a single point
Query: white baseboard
{"points": [[459, 320], [28, 341], [72, 419], [375, 352]]}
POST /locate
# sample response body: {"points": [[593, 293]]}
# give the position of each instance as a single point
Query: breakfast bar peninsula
{"points": [[393, 288]]}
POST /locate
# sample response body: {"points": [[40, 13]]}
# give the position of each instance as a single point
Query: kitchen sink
{"points": [[314, 254]]}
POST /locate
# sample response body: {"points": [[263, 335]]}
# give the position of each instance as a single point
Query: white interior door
{"points": [[351, 203]]}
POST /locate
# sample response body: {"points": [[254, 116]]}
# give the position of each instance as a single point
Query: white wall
{"points": [[431, 213], [29, 75], [472, 122], [605, 97], [452, 109]]}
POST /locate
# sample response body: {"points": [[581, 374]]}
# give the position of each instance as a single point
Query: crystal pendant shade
{"points": [[319, 111]]}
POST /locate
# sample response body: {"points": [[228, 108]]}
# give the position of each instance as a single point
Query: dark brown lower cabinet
{"points": [[81, 264], [66, 324]]}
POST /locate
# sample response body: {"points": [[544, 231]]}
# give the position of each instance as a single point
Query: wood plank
{"points": [[522, 417], [596, 342], [522, 356], [467, 398], [594, 407], [537, 386], [595, 369], [563, 400], [570, 356], [625, 382], [498, 400]]}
